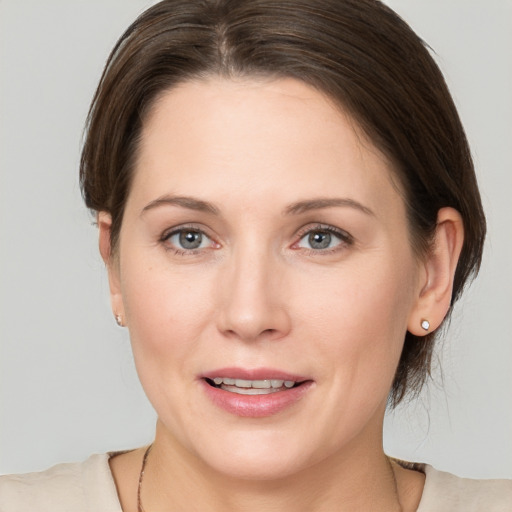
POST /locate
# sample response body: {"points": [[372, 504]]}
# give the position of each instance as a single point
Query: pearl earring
{"points": [[119, 320], [425, 324]]}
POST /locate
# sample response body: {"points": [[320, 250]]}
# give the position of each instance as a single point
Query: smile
{"points": [[251, 387], [255, 393]]}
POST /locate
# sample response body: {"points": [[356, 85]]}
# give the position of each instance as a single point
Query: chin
{"points": [[259, 467], [255, 456]]}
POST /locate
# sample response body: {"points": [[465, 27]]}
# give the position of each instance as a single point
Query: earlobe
{"points": [[438, 271], [116, 299]]}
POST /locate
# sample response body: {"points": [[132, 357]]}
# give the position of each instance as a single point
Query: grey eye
{"points": [[190, 239], [319, 239]]}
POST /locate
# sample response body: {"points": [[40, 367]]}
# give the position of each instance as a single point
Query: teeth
{"points": [[249, 391], [261, 384], [243, 384]]}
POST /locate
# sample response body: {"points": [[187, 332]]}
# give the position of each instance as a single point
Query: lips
{"points": [[254, 393]]}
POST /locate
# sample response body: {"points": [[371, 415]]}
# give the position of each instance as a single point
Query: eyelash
{"points": [[164, 239], [346, 240]]}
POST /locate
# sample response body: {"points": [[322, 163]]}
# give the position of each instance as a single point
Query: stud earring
{"points": [[119, 320], [425, 324]]}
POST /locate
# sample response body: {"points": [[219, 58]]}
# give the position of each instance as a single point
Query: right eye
{"points": [[184, 240]]}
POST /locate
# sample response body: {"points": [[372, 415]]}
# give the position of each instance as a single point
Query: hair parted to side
{"points": [[358, 52]]}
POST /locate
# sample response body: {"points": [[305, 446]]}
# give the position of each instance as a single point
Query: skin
{"points": [[258, 294]]}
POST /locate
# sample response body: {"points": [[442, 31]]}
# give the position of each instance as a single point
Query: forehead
{"points": [[258, 137]]}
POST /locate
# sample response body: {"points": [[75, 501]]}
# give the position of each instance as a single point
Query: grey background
{"points": [[67, 382]]}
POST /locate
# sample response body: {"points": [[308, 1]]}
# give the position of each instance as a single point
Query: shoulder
{"points": [[80, 487], [445, 492]]}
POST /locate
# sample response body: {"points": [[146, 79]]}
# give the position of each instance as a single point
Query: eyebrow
{"points": [[328, 202], [183, 201], [297, 208]]}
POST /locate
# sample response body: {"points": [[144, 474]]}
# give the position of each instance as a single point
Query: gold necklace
{"points": [[140, 508]]}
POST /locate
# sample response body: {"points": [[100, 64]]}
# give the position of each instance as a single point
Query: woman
{"points": [[288, 210]]}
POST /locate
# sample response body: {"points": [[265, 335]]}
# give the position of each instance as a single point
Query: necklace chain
{"points": [[140, 508]]}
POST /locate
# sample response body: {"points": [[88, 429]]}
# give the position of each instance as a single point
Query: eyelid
{"points": [[168, 233], [346, 239]]}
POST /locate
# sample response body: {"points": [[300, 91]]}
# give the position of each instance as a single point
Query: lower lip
{"points": [[255, 406]]}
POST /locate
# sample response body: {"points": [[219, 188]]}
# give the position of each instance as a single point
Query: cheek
{"points": [[359, 328], [167, 315], [166, 311], [359, 319]]}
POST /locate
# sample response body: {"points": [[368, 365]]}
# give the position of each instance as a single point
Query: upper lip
{"points": [[253, 374]]}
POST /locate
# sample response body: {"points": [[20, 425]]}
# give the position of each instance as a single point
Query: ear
{"points": [[437, 273], [104, 220]]}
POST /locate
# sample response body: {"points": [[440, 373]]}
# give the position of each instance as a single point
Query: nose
{"points": [[253, 304]]}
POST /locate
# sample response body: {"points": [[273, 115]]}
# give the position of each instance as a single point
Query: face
{"points": [[266, 276]]}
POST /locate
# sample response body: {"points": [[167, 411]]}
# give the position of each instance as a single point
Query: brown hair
{"points": [[358, 52]]}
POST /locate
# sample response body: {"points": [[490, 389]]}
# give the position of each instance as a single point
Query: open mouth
{"points": [[252, 387], [262, 392]]}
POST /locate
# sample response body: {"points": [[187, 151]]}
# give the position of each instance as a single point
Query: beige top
{"points": [[89, 487]]}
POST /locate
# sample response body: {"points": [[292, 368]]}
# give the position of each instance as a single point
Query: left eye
{"points": [[188, 239], [320, 239]]}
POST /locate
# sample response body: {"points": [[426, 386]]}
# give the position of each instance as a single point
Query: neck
{"points": [[360, 478]]}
